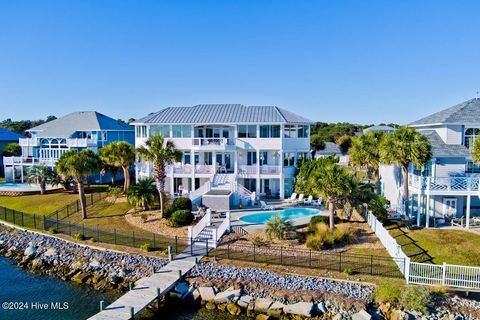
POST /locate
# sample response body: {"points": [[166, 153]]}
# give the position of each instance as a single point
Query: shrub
{"points": [[348, 271], [114, 192], [258, 241], [277, 227], [388, 293], [78, 236], [416, 298], [321, 239], [144, 217], [52, 231], [318, 219], [181, 203], [181, 218], [343, 234], [377, 206], [146, 247]]}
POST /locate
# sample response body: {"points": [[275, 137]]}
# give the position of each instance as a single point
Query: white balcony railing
{"points": [[243, 169], [269, 169], [29, 161], [81, 142], [453, 183], [28, 142], [212, 142]]}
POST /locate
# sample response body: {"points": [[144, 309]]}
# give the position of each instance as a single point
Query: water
{"points": [[8, 186], [24, 288], [289, 214]]}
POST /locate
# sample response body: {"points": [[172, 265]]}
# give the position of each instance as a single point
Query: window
{"points": [[470, 135], [288, 159], [426, 170], [263, 158], [247, 131], [302, 156], [251, 158], [162, 130], [472, 167], [290, 131], [303, 131], [104, 136], [269, 131], [181, 131], [197, 158], [141, 131], [186, 157]]}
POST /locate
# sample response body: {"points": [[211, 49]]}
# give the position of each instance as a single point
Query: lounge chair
{"points": [[292, 198], [265, 206], [317, 202], [309, 200], [300, 199]]}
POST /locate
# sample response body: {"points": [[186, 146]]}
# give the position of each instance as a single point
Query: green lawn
{"points": [[39, 204], [439, 246], [44, 204]]}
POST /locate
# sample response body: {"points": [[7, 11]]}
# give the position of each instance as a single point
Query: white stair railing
{"points": [[194, 231], [200, 191], [222, 229]]}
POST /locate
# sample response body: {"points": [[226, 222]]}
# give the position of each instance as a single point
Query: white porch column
{"points": [[467, 225], [258, 172], [235, 162], [282, 187], [427, 213], [172, 182], [418, 209]]}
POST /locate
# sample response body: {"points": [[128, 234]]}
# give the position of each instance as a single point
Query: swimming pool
{"points": [[10, 186], [289, 214]]}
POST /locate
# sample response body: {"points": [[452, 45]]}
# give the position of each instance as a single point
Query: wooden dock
{"points": [[145, 290]]}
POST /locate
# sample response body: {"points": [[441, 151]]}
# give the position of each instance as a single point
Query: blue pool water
{"points": [[289, 214], [17, 186]]}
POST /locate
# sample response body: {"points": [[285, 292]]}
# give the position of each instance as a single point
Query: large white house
{"points": [[448, 186], [232, 148]]}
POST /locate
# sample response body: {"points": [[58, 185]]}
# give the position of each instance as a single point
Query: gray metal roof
{"points": [[7, 135], [379, 128], [65, 126], [463, 113], [330, 148], [441, 149], [223, 113]]}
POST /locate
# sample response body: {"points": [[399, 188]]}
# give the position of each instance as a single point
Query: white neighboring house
{"points": [[229, 149], [448, 186], [332, 148]]}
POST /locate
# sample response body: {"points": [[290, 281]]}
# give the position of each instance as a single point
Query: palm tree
{"points": [[78, 165], [476, 151], [41, 174], [277, 227], [161, 153], [119, 154], [142, 194], [333, 183], [365, 153], [404, 147]]}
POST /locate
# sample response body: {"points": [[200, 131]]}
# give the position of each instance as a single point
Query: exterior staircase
{"points": [[209, 230], [222, 181]]}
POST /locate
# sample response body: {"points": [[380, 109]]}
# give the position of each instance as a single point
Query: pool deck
{"points": [[259, 227]]}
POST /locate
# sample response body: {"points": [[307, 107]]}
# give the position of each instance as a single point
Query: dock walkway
{"points": [[145, 290]]}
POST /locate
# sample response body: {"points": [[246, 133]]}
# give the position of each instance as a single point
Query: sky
{"points": [[358, 61]]}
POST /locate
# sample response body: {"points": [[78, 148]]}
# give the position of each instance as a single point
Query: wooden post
{"points": [[158, 296], [102, 305], [132, 313]]}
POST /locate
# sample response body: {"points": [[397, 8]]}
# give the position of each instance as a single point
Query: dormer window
{"points": [[470, 135]]}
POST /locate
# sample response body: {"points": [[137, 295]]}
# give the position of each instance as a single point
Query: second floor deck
{"points": [[451, 185]]}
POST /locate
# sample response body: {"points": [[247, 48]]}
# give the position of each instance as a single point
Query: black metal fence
{"points": [[336, 261], [135, 239], [75, 207]]}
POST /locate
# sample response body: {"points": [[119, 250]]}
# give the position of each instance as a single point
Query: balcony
{"points": [[445, 185], [81, 142], [28, 142], [213, 143], [264, 170], [269, 169], [28, 161]]}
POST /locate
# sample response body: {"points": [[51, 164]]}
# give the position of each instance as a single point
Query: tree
{"points": [[476, 151], [161, 153], [12, 150], [41, 174], [333, 183], [404, 147], [142, 193], [78, 165], [119, 154], [344, 142], [365, 153]]}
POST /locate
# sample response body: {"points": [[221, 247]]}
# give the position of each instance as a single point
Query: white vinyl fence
{"points": [[422, 273]]}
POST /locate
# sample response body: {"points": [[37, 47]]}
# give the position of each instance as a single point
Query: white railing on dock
{"points": [[448, 275]]}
